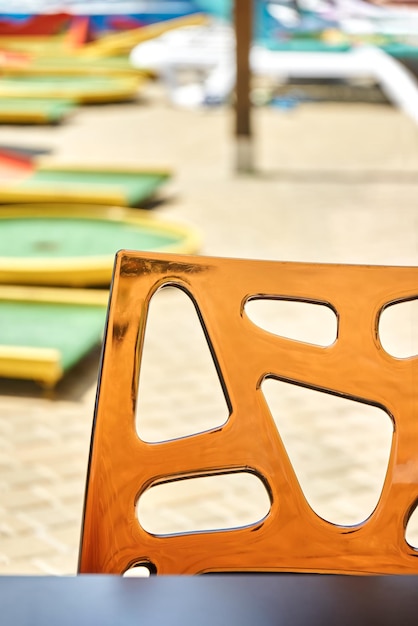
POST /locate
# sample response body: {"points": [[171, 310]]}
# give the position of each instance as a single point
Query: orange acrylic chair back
{"points": [[291, 537]]}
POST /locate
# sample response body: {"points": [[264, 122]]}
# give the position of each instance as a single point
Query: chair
{"points": [[291, 537]]}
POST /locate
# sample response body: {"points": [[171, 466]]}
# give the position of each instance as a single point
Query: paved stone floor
{"points": [[334, 183]]}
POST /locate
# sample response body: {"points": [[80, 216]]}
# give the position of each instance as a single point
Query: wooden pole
{"points": [[243, 132]]}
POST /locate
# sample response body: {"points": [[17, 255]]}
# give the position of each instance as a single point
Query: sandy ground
{"points": [[334, 183]]}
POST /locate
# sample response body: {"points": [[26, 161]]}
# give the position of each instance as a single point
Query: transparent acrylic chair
{"points": [[291, 537]]}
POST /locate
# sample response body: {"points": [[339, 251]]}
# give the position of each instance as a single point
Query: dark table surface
{"points": [[239, 600]]}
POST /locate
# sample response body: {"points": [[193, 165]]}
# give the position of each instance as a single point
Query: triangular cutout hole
{"points": [[339, 448], [180, 392], [313, 323]]}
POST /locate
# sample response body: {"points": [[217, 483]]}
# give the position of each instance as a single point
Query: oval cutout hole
{"points": [[140, 570], [302, 321], [179, 391], [398, 329], [411, 533], [339, 448], [202, 504]]}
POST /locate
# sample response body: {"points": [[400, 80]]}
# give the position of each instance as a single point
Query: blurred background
{"points": [[266, 129]]}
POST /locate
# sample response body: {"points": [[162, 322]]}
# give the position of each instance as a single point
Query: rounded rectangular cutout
{"points": [[224, 501], [310, 322], [398, 329]]}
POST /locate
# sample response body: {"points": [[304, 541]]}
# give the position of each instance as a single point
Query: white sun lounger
{"points": [[210, 50]]}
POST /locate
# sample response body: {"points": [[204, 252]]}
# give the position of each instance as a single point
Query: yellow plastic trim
{"points": [[35, 44], [42, 365], [124, 88], [46, 163], [89, 270], [124, 42], [54, 295], [76, 70], [27, 117], [94, 194]]}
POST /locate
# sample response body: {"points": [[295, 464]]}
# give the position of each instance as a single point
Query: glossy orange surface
{"points": [[292, 537]]}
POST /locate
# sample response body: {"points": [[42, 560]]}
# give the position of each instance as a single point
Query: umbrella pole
{"points": [[243, 132]]}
